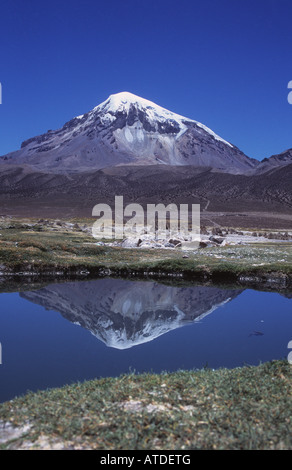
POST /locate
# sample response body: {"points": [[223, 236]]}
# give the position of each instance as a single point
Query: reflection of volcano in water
{"points": [[127, 313]]}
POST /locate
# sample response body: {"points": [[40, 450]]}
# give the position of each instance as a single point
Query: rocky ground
{"points": [[209, 236]]}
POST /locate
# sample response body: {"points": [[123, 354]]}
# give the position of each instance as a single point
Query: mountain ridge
{"points": [[24, 192]]}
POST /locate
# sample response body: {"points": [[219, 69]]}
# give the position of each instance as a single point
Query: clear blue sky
{"points": [[225, 63]]}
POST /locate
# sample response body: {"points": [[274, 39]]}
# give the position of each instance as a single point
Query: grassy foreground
{"points": [[243, 408]]}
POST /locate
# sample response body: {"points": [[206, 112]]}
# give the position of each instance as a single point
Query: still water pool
{"points": [[63, 333]]}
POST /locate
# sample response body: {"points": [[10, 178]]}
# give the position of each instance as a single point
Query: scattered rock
{"points": [[217, 231], [131, 242], [9, 432], [217, 240], [203, 230], [174, 242], [137, 406]]}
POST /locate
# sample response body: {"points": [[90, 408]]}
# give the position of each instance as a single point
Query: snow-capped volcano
{"points": [[127, 129]]}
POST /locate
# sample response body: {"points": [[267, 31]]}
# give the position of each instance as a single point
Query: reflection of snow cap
{"points": [[123, 314]]}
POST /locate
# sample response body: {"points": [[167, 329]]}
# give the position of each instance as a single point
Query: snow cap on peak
{"points": [[124, 100], [125, 96]]}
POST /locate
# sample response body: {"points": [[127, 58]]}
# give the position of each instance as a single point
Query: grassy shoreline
{"points": [[33, 252], [242, 408]]}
